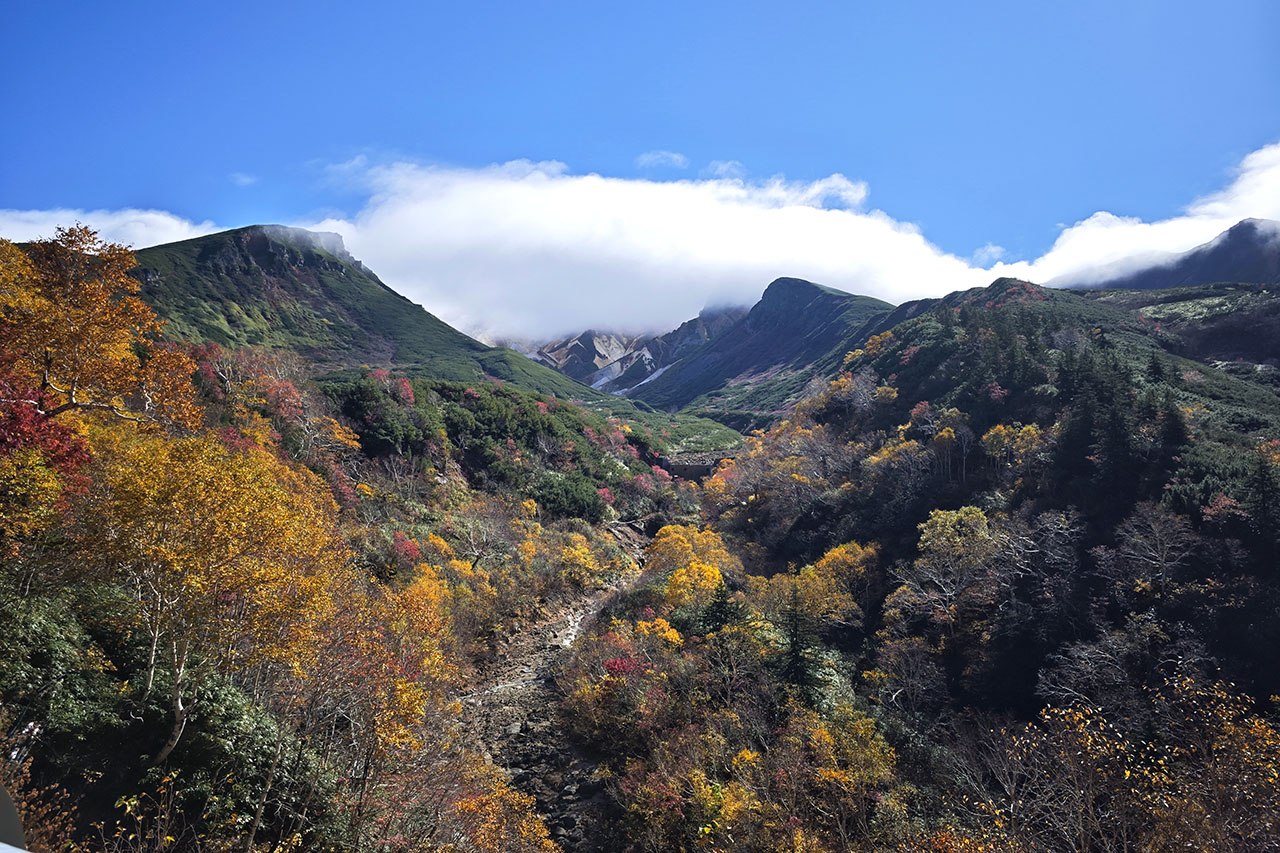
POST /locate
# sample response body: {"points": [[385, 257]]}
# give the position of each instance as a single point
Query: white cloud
{"points": [[242, 179], [988, 255], [1105, 244], [346, 173], [529, 249], [136, 228], [724, 169], [669, 159]]}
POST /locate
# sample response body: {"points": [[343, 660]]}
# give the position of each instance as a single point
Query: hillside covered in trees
{"points": [[1006, 583], [241, 606]]}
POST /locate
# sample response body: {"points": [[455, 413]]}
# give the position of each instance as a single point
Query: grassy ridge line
{"points": [[1243, 400], [290, 289]]}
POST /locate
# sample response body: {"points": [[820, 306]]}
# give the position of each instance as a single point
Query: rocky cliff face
{"points": [[582, 355], [694, 333], [617, 363]]}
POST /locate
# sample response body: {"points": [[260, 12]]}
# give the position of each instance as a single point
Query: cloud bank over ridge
{"points": [[1105, 245], [530, 249], [137, 228]]}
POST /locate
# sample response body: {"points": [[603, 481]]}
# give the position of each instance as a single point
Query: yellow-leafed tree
{"points": [[694, 561], [227, 553]]}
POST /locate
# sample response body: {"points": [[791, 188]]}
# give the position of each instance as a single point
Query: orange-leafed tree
{"points": [[74, 329]]}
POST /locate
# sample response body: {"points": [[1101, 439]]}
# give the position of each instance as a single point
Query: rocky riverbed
{"points": [[513, 717]]}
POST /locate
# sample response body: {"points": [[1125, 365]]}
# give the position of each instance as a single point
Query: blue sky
{"points": [[978, 123]]}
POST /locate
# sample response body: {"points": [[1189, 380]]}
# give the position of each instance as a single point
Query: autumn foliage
{"points": [[73, 329], [985, 594], [1006, 583], [200, 656]]}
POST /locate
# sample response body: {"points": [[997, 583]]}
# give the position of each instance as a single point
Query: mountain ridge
{"points": [[616, 362], [283, 287], [287, 288], [1247, 252], [751, 372]]}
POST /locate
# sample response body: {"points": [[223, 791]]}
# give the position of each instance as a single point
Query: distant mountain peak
{"points": [[327, 241], [1248, 231], [787, 282], [754, 370], [1247, 253], [1253, 224], [788, 287]]}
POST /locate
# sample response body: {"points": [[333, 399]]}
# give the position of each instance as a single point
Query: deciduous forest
{"points": [[1005, 581]]}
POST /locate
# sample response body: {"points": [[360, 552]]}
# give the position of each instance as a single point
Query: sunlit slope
{"points": [[293, 289], [298, 290]]}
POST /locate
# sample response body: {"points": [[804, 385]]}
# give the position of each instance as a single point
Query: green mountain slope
{"points": [[754, 370], [280, 287], [288, 288], [1217, 322], [1033, 325]]}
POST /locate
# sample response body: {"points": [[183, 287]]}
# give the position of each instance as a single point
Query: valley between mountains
{"points": [[513, 713], [291, 564]]}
